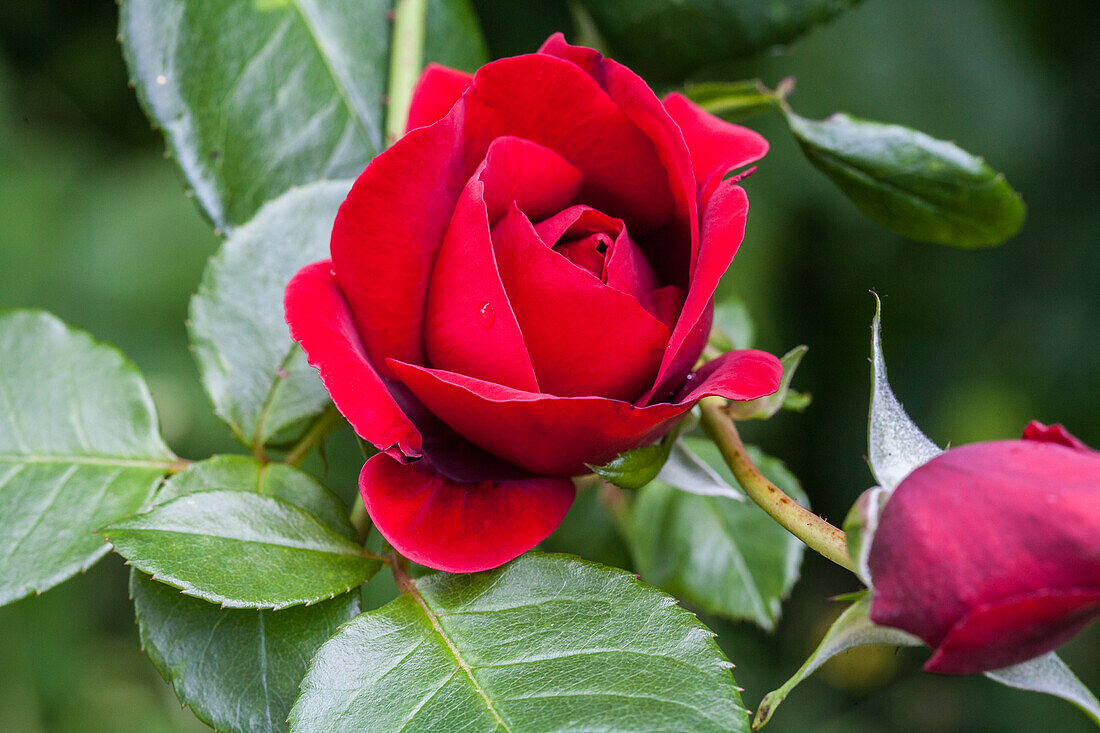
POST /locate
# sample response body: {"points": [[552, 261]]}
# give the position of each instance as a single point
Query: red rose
{"points": [[990, 552], [519, 286]]}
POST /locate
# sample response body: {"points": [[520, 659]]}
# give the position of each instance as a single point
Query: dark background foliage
{"points": [[94, 226]]}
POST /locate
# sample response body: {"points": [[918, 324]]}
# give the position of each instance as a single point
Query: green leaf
{"points": [[258, 96], [667, 40], [732, 101], [635, 468], [688, 472], [255, 374], [910, 183], [1050, 675], [79, 448], [242, 550], [765, 407], [237, 669], [733, 328], [243, 473], [544, 643], [727, 557], [895, 445], [852, 629]]}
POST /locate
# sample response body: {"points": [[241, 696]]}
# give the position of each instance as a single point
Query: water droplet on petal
{"points": [[488, 314]]}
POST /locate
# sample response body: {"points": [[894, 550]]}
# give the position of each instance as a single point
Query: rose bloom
{"points": [[990, 552], [520, 286]]}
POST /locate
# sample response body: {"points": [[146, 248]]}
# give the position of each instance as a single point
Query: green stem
{"points": [[400, 568], [818, 534], [361, 521], [406, 58], [330, 420]]}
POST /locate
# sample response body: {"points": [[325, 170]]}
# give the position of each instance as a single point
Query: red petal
{"points": [[675, 249], [321, 321], [460, 527], [535, 178], [722, 232], [628, 271], [554, 103], [470, 326], [1002, 634], [557, 436], [436, 92], [716, 146], [980, 525], [389, 231], [584, 338], [575, 221], [1055, 433]]}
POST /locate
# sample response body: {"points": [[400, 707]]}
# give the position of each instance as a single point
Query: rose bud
{"points": [[520, 286], [990, 552]]}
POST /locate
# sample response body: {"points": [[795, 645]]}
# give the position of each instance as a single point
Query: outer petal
{"points": [[436, 92], [460, 527], [716, 146], [471, 328], [675, 249], [389, 231], [982, 525], [723, 228], [557, 105], [558, 435], [1002, 634], [584, 338], [321, 321]]}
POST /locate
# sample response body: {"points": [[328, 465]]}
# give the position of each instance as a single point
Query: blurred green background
{"points": [[94, 226]]}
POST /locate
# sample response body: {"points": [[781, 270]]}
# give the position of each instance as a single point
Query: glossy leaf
{"points": [[895, 445], [852, 629], [1050, 675], [242, 550], [258, 96], [257, 377], [667, 40], [243, 473], [732, 101], [635, 468], [544, 643], [764, 407], [910, 183], [727, 557], [237, 669], [79, 448]]}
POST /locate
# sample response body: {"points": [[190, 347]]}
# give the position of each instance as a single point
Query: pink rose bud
{"points": [[522, 285], [990, 552]]}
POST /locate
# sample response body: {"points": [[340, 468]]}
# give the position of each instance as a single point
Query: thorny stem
{"points": [[329, 421], [406, 57], [818, 534]]}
